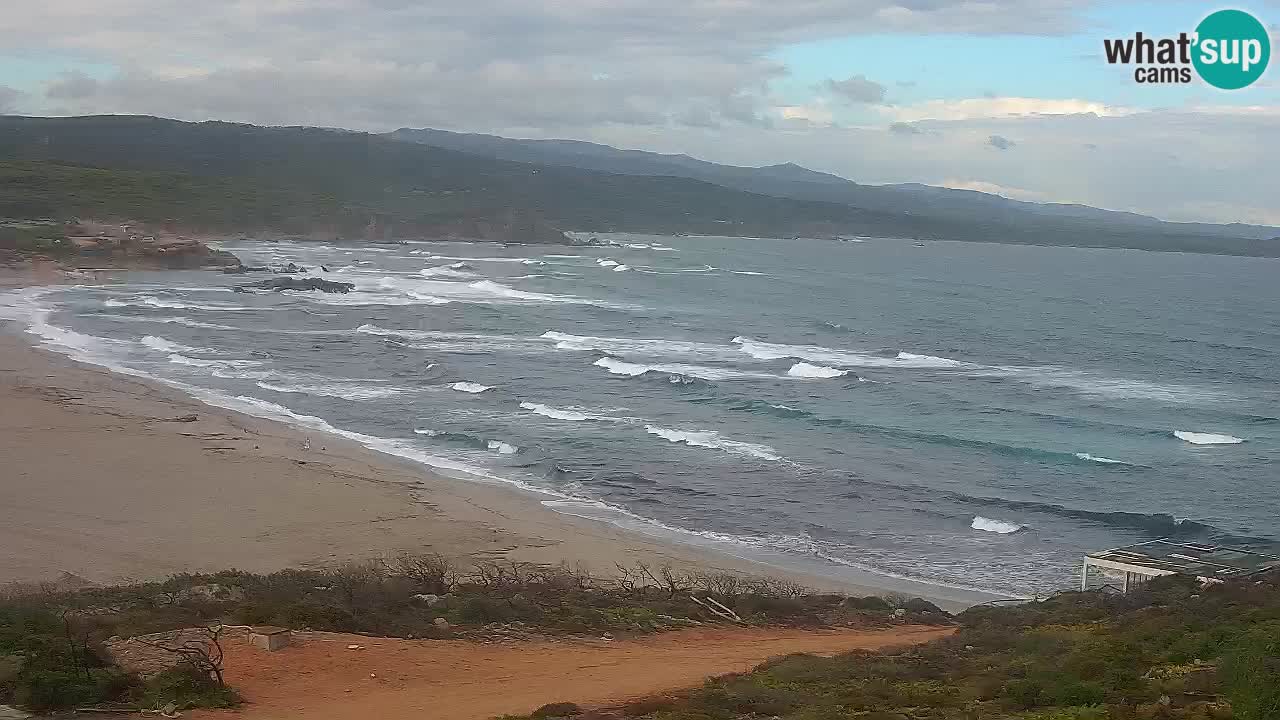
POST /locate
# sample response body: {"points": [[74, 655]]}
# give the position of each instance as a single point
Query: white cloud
{"points": [[476, 65], [999, 107], [1012, 193], [816, 113]]}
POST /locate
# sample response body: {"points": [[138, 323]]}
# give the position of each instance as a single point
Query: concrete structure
{"points": [[268, 637], [1208, 563]]}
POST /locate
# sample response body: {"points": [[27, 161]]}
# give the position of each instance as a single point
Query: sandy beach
{"points": [[105, 477]]}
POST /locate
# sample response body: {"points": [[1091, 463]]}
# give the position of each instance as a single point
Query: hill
{"points": [[794, 181], [349, 184]]}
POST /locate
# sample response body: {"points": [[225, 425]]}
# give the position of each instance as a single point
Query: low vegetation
{"points": [[1173, 651], [53, 650]]}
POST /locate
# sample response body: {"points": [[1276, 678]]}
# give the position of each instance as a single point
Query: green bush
{"points": [[185, 688]]}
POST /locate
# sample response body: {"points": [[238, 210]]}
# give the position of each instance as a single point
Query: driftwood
{"points": [[714, 607]]}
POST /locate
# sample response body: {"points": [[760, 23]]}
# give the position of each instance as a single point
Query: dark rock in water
{"points": [[289, 269], [289, 283], [242, 269], [240, 289], [324, 268]]}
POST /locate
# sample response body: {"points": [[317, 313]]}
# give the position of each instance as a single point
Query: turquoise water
{"points": [[966, 415]]}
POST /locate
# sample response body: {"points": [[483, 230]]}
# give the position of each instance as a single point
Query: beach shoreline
{"points": [[107, 479]]}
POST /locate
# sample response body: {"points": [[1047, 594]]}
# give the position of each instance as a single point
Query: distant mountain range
{"points": [[794, 181], [342, 184]]}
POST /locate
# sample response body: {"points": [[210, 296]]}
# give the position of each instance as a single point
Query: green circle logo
{"points": [[1232, 49]]}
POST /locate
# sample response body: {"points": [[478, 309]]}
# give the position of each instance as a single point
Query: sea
{"points": [[965, 417]]}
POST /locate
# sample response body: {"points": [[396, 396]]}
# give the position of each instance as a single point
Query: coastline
{"points": [[103, 485]]}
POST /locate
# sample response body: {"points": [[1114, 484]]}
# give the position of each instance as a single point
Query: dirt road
{"points": [[390, 679]]}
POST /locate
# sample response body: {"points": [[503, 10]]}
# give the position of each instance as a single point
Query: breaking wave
{"points": [[712, 440], [337, 389], [1199, 438], [1002, 527], [160, 344], [154, 302], [555, 413], [1103, 460], [701, 372], [805, 370], [470, 387]]}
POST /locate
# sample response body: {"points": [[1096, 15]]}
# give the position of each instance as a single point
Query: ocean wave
{"points": [[555, 413], [174, 320], [805, 370], [179, 359], [1097, 385], [337, 389], [471, 441], [445, 271], [712, 440], [621, 268], [645, 347], [1200, 438], [408, 290], [701, 372], [606, 262], [154, 302], [501, 448], [846, 358], [1002, 527], [160, 344], [470, 387], [1103, 460]]}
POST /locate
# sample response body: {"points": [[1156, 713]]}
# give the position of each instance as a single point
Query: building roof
{"points": [[1172, 556]]}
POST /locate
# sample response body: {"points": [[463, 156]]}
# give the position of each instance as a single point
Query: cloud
{"points": [[1012, 193], [481, 65], [999, 107], [9, 99], [72, 85], [1000, 142], [857, 89], [812, 114], [902, 128]]}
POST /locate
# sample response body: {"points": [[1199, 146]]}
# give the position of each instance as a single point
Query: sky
{"points": [[1005, 96]]}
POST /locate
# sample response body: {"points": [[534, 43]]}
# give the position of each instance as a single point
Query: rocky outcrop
{"points": [[295, 283]]}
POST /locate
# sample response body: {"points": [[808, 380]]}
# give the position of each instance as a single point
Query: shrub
{"points": [[557, 710], [185, 688]]}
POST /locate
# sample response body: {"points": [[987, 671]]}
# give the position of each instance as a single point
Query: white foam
{"points": [[502, 448], [162, 345], [1103, 460], [554, 413], [470, 387], [155, 302], [846, 358], [175, 320], [1200, 438], [702, 372], [445, 271], [712, 440], [1002, 527], [646, 347], [337, 389], [179, 359], [606, 262], [805, 370]]}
